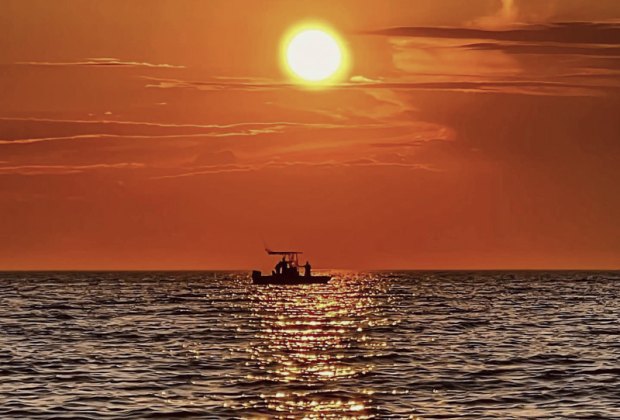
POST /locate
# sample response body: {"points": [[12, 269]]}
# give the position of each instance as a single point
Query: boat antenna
{"points": [[267, 249]]}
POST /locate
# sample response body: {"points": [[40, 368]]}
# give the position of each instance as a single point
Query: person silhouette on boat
{"points": [[307, 269], [282, 266]]}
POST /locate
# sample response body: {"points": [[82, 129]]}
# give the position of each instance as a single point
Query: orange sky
{"points": [[163, 134]]}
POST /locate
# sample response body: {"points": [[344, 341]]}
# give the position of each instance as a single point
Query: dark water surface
{"points": [[381, 345]]}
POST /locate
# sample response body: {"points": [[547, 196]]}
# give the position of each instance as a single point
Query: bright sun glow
{"points": [[314, 55]]}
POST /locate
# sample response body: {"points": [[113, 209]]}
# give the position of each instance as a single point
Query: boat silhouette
{"points": [[287, 271]]}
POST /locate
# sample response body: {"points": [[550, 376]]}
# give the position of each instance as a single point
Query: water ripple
{"points": [[367, 345]]}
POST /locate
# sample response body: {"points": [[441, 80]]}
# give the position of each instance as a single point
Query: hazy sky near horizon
{"points": [[165, 134]]}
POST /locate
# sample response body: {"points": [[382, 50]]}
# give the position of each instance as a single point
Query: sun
{"points": [[314, 55]]}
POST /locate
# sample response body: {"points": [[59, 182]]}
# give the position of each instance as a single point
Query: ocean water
{"points": [[368, 345]]}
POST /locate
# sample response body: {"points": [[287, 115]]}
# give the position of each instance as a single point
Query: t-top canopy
{"points": [[270, 252]]}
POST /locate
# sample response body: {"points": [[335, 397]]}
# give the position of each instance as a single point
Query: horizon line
{"points": [[241, 270]]}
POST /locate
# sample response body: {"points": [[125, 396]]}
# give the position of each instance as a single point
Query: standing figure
{"points": [[308, 269], [281, 266]]}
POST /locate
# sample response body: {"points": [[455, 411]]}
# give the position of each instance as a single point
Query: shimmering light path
{"points": [[382, 345]]}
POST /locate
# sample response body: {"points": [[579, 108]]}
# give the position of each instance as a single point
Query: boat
{"points": [[287, 271]]}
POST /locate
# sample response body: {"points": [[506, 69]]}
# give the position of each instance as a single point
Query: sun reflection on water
{"points": [[312, 348]]}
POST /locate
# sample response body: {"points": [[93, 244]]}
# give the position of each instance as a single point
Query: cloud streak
{"points": [[222, 169], [563, 32], [172, 125], [41, 130], [525, 87], [525, 59], [546, 49], [65, 169], [98, 62]]}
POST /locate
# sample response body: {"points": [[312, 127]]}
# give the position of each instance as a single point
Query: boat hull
{"points": [[258, 278]]}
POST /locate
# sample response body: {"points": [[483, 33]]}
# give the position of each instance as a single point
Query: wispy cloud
{"points": [[363, 162], [518, 59], [98, 62], [15, 133], [545, 49], [139, 137], [563, 32], [218, 84], [525, 87], [170, 125], [65, 169], [240, 133], [513, 86]]}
